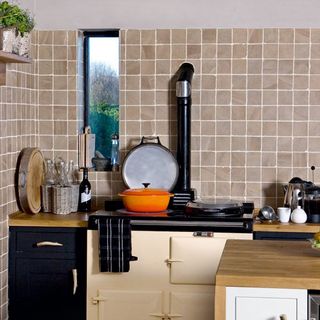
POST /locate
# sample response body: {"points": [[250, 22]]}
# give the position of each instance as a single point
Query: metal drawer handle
{"points": [[48, 244], [75, 280]]}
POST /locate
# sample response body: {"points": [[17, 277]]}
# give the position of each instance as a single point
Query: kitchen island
{"points": [[289, 268]]}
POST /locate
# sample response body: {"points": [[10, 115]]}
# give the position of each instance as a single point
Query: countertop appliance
{"points": [[311, 203]]}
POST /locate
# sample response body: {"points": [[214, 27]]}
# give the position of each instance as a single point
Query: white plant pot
{"points": [[7, 39], [22, 45]]}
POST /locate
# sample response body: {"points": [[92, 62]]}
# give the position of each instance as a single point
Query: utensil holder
{"points": [[74, 197], [61, 200], [46, 197]]}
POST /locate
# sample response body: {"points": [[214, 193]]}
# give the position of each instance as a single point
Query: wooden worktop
{"points": [[75, 219], [266, 263], [286, 227]]}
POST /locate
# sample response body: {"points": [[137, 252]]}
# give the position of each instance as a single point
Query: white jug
{"points": [[298, 215]]}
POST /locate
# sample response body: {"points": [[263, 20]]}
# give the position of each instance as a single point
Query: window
{"points": [[101, 60]]}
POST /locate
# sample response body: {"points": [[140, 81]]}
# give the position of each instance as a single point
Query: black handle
{"points": [[150, 138], [146, 184]]}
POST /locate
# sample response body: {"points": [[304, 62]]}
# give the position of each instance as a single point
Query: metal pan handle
{"points": [[150, 138]]}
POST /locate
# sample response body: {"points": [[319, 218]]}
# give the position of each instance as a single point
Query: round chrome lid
{"points": [[151, 163]]}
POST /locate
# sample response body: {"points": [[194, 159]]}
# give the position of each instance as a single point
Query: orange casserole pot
{"points": [[146, 200]]}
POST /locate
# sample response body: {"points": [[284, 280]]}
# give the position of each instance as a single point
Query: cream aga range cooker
{"points": [[178, 251], [178, 255]]}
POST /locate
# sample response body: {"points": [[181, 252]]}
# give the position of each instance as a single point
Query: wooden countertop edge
{"points": [[264, 282], [286, 227], [269, 264], [21, 219], [58, 224]]}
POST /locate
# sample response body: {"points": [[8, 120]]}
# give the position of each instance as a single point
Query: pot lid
{"points": [[145, 192], [214, 204], [216, 207], [150, 162]]}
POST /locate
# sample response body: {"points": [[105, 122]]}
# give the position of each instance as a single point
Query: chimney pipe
{"points": [[183, 94]]}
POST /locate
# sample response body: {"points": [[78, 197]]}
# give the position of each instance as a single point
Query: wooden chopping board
{"points": [[28, 180]]}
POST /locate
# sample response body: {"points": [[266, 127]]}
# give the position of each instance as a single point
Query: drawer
{"points": [[45, 241]]}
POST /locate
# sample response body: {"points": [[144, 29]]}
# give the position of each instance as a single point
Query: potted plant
{"points": [[24, 26], [15, 26]]}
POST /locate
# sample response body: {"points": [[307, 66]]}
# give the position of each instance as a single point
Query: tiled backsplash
{"points": [[255, 112], [57, 78]]}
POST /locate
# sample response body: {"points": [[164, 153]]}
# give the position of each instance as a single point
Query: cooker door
{"points": [[195, 259]]}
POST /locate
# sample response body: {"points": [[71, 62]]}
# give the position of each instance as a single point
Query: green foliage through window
{"points": [[103, 88]]}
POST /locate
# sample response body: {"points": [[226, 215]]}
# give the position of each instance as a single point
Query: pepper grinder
{"points": [[115, 152]]}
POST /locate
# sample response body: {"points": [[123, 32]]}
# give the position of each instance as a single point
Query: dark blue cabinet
{"points": [[47, 273], [266, 235]]}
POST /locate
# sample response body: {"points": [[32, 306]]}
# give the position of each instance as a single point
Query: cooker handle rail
{"points": [[170, 261]]}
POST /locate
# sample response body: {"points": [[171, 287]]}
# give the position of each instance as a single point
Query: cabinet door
{"points": [[47, 273], [265, 304], [45, 288], [191, 305], [195, 259], [129, 304]]}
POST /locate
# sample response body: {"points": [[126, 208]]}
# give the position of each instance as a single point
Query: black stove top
{"points": [[180, 220]]}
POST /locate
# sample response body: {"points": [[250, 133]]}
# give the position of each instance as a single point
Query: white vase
{"points": [[7, 39], [298, 215], [22, 45]]}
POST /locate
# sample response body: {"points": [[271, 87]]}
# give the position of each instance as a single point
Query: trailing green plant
{"points": [[12, 16]]}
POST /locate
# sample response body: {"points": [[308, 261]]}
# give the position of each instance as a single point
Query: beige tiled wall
{"points": [[255, 112], [58, 88], [18, 129]]}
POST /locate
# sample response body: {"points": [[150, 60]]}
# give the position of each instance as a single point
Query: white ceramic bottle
{"points": [[298, 215]]}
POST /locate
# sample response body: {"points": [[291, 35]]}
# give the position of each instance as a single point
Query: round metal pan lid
{"points": [[215, 203], [150, 163]]}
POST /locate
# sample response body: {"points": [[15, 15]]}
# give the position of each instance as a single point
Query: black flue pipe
{"points": [[184, 101]]}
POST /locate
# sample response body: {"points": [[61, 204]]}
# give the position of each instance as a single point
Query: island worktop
{"points": [[266, 264]]}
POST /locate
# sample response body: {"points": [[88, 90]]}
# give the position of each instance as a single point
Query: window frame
{"points": [[115, 33]]}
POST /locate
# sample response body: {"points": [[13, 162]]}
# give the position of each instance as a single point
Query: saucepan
{"points": [[145, 199]]}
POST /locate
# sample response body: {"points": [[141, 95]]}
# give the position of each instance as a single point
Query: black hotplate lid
{"points": [[218, 207]]}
